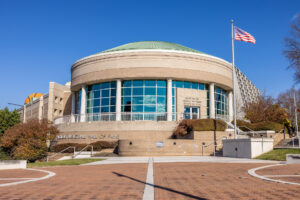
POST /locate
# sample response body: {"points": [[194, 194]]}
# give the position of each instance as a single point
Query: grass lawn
{"points": [[278, 154], [63, 162]]}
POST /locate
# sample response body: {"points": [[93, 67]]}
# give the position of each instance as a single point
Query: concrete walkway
{"points": [[172, 159]]}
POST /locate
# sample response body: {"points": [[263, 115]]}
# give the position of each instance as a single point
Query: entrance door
{"points": [[191, 112]]}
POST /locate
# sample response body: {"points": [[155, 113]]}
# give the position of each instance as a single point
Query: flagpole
{"points": [[233, 82], [296, 120]]}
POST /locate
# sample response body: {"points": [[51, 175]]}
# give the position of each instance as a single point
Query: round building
{"points": [[141, 90]]}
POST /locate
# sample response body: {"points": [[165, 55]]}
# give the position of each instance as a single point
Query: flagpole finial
{"points": [[231, 21]]}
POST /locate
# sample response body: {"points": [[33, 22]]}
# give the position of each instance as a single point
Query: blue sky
{"points": [[41, 39]]}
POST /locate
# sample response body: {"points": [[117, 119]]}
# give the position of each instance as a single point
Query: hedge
{"points": [[97, 146], [186, 126], [260, 126], [208, 125]]}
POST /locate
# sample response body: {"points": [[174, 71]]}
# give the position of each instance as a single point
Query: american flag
{"points": [[242, 35]]}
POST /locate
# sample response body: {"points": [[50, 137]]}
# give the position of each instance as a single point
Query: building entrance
{"points": [[191, 112]]}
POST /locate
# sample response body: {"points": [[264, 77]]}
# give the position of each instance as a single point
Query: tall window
{"points": [[78, 102], [221, 101], [101, 101], [144, 100]]}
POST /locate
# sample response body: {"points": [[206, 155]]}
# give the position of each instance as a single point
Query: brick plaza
{"points": [[191, 180]]}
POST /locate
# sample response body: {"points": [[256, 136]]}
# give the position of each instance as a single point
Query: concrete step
{"points": [[287, 143]]}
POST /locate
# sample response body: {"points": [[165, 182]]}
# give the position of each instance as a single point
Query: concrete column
{"points": [[83, 104], [73, 108], [118, 100], [51, 99], [212, 101], [24, 114], [169, 100], [41, 108], [230, 106]]}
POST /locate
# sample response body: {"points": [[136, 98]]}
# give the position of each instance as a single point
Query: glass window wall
{"points": [[101, 101], [221, 101], [144, 100]]}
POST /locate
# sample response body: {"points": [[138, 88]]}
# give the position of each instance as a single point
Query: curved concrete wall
{"points": [[158, 64], [86, 132]]}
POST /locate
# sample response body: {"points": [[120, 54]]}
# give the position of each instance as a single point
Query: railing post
{"points": [[73, 152], [215, 146]]}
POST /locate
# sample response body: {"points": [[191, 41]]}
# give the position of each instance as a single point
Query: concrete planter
{"points": [[293, 158], [13, 164], [246, 147]]}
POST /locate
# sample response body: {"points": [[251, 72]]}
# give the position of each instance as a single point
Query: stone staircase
{"points": [[219, 152], [287, 143]]}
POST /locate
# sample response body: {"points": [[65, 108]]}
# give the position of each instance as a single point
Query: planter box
{"points": [[246, 147], [293, 158]]}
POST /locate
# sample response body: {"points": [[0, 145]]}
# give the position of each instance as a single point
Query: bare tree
{"points": [[286, 100], [292, 50]]}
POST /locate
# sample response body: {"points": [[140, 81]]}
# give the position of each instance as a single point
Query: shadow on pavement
{"points": [[160, 187]]}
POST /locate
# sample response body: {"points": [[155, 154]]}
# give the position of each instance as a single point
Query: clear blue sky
{"points": [[41, 39]]}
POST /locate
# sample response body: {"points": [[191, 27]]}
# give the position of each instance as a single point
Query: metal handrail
{"points": [[293, 139], [251, 131], [83, 150], [61, 152], [214, 142], [127, 116]]}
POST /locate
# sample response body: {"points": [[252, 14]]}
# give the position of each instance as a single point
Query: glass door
{"points": [[191, 112], [187, 112], [195, 113]]}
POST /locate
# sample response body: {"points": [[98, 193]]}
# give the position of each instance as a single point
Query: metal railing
{"points": [[70, 147], [215, 143], [129, 116], [77, 154], [293, 141], [241, 132]]}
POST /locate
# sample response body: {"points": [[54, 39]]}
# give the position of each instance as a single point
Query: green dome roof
{"points": [[151, 45]]}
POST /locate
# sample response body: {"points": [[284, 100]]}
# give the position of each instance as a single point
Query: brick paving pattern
{"points": [[172, 181], [288, 179], [103, 182], [21, 173], [293, 169], [216, 181]]}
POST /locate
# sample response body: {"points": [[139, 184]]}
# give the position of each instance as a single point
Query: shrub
{"points": [[29, 140], [186, 126], [183, 128], [209, 125], [97, 146], [4, 155], [105, 144], [260, 126], [60, 147]]}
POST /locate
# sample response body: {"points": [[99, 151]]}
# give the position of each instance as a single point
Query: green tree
{"points": [[8, 119]]}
